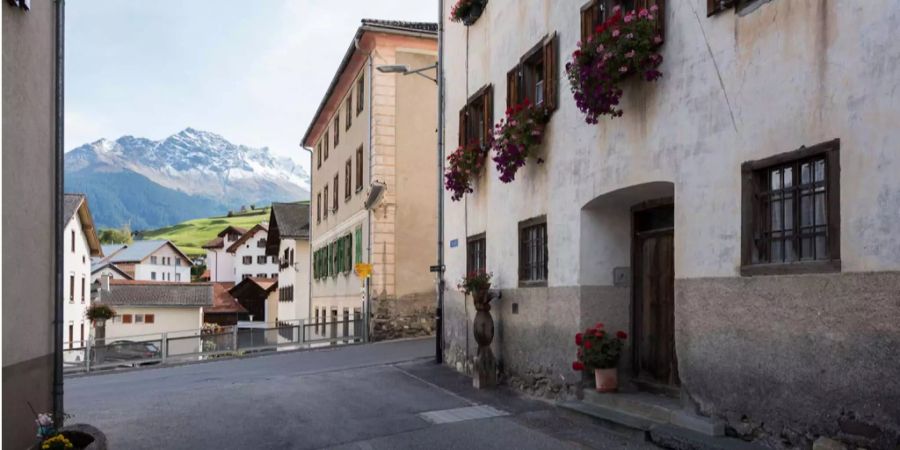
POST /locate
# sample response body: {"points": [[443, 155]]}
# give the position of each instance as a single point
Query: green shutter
{"points": [[359, 257]]}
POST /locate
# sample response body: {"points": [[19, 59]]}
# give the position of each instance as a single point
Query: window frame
{"points": [[545, 53], [360, 93], [750, 206], [325, 198], [472, 242], [337, 129], [348, 168], [524, 226], [318, 207], [319, 155], [359, 169], [337, 190], [590, 18], [325, 143], [348, 107], [482, 101]]}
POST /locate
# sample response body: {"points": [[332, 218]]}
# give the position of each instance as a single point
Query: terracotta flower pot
{"points": [[607, 379]]}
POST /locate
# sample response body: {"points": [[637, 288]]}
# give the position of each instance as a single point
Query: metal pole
{"points": [[165, 346], [439, 320], [58, 407]]}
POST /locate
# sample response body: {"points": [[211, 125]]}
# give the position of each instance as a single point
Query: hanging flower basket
{"points": [[622, 46], [99, 313], [464, 165], [517, 136], [467, 11]]}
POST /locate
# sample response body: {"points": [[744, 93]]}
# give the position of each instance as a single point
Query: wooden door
{"points": [[654, 296]]}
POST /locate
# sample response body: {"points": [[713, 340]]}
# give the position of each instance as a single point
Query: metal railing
{"points": [[204, 344]]}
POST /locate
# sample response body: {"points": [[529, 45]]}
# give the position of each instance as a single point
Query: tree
{"points": [[116, 235]]}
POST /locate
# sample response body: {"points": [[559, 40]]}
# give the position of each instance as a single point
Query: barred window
{"points": [[475, 253], [533, 252]]}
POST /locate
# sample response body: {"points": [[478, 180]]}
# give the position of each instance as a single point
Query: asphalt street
{"points": [[374, 396]]}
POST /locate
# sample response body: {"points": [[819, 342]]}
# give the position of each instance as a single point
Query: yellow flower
{"points": [[58, 441]]}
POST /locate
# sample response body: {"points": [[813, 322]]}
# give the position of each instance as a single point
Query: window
{"points": [[318, 208], [82, 333], [274, 275], [325, 145], [337, 189], [71, 288], [73, 241], [347, 169], [126, 318], [245, 276], [533, 252], [596, 12], [791, 212], [360, 92], [138, 318], [319, 156], [177, 262], [476, 254], [261, 243], [71, 335], [82, 289], [535, 77], [359, 168], [177, 277], [247, 260], [273, 259], [714, 7], [260, 259], [149, 318], [348, 107], [153, 260], [260, 275], [326, 201], [292, 257], [337, 129], [152, 275], [476, 119]]}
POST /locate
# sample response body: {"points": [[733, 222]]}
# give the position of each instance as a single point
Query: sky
{"points": [[251, 71]]}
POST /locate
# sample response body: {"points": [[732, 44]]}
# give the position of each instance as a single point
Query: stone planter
{"points": [[82, 436], [607, 380], [483, 327]]}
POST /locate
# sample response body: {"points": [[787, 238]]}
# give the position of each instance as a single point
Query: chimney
{"points": [[104, 283]]}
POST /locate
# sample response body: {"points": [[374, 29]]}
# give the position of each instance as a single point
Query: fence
{"points": [[204, 344]]}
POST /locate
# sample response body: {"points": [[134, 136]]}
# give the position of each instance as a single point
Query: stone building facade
{"points": [[373, 183], [657, 222]]}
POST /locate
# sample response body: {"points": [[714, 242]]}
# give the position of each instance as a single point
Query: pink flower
{"points": [[654, 8], [623, 69], [615, 33], [628, 18], [630, 54], [657, 39], [643, 12]]}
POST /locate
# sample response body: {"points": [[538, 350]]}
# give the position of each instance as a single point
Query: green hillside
{"points": [[190, 235]]}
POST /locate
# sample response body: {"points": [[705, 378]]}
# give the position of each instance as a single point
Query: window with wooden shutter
{"points": [[551, 66], [149, 318], [536, 77], [476, 118], [337, 129], [512, 87], [347, 170], [126, 318], [337, 190], [359, 168], [462, 126], [487, 116]]}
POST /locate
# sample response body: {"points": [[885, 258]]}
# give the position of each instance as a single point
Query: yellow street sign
{"points": [[363, 270]]}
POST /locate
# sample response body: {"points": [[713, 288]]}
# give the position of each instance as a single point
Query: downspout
{"points": [[439, 319], [312, 171], [58, 407], [369, 222]]}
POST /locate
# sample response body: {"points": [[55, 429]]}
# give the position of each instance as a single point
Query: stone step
{"points": [[653, 407], [627, 424], [677, 438]]}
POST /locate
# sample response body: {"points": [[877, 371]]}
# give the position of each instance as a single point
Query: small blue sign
{"points": [[454, 243]]}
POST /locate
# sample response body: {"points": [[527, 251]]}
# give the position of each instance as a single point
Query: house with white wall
{"points": [[249, 253], [155, 260], [80, 244], [288, 240], [219, 262]]}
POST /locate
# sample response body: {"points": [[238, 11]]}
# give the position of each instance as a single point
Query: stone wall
{"points": [[794, 357], [404, 317]]}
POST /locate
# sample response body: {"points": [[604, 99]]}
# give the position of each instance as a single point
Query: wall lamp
{"points": [[404, 70]]}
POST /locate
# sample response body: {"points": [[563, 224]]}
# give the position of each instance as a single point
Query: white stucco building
{"points": [[249, 255], [740, 221], [154, 260], [219, 262], [288, 240], [80, 243]]}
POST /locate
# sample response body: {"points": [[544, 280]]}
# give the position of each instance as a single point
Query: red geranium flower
{"points": [[579, 338], [578, 366], [588, 345], [598, 326], [622, 335]]}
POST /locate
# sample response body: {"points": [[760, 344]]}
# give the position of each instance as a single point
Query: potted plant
{"points": [[600, 351], [621, 46], [467, 11], [463, 167], [517, 136], [98, 313], [478, 285]]}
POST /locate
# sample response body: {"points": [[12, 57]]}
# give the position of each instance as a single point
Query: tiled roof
{"points": [[428, 27], [215, 243], [223, 301], [149, 293], [292, 219], [136, 251], [100, 264], [238, 230], [71, 202]]}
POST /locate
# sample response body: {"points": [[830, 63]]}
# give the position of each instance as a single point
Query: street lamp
{"points": [[403, 69]]}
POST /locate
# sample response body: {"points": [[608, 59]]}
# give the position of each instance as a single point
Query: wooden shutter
{"points": [[149, 318], [551, 68], [126, 318], [488, 105], [512, 86], [462, 126], [588, 19], [716, 6]]}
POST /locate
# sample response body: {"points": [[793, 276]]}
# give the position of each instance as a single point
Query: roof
{"points": [[156, 293], [421, 29], [137, 250], [223, 301], [78, 204], [249, 234], [215, 243], [254, 284], [238, 230], [288, 221], [99, 265]]}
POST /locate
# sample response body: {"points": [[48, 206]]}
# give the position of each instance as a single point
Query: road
{"points": [[374, 396]]}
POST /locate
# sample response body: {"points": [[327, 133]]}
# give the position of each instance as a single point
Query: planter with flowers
{"points": [[467, 11], [73, 437], [622, 46], [99, 313], [464, 165], [478, 285], [517, 137], [600, 351]]}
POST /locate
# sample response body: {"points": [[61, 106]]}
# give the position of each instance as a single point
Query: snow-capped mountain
{"points": [[196, 163]]}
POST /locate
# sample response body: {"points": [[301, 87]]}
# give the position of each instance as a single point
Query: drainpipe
{"points": [[439, 319], [58, 408], [368, 280], [312, 171]]}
